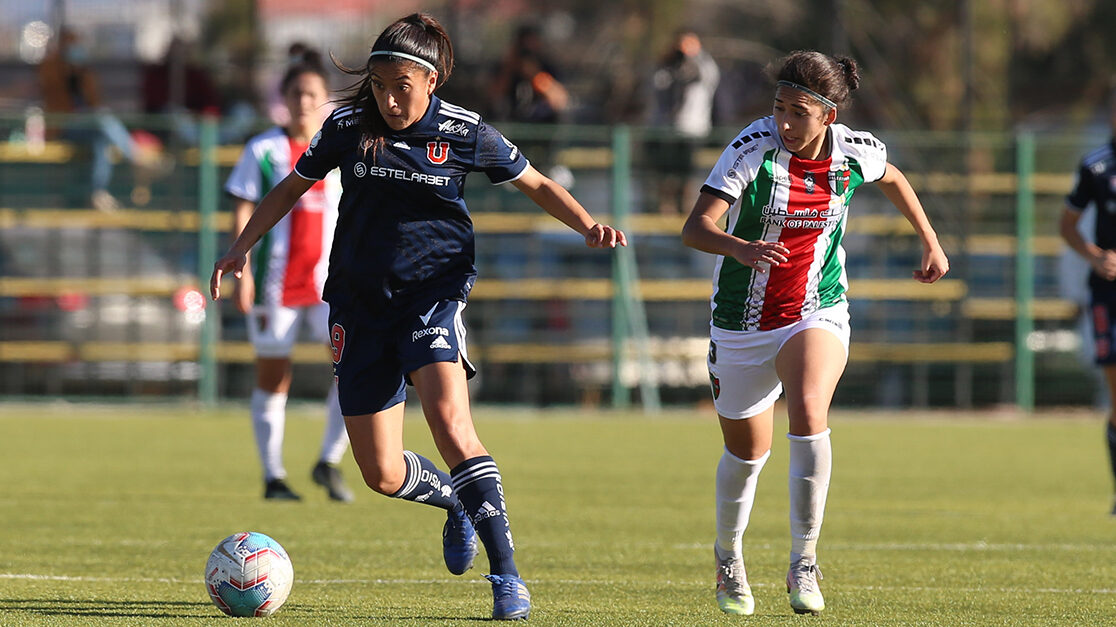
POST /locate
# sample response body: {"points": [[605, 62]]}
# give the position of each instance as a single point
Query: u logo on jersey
{"points": [[437, 152]]}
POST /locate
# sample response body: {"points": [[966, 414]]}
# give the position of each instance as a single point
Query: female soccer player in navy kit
{"points": [[400, 270], [780, 317], [1096, 185]]}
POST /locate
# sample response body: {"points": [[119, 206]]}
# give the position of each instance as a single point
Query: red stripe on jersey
{"points": [[807, 201], [305, 246]]}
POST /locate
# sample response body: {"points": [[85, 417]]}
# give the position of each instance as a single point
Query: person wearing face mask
{"points": [[69, 86]]}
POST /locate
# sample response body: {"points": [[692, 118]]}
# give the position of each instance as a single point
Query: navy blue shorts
{"points": [[371, 362]]}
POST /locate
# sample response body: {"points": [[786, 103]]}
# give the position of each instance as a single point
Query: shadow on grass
{"points": [[105, 607], [174, 610]]}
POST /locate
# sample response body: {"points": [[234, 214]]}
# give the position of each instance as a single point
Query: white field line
{"points": [[569, 582], [915, 546]]}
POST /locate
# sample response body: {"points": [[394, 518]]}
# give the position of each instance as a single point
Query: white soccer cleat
{"points": [[802, 584], [734, 596]]}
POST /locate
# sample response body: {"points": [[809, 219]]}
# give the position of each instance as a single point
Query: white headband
{"points": [[403, 55], [809, 92]]}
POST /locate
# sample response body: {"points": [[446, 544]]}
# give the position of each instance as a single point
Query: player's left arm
{"points": [[898, 190], [555, 200]]}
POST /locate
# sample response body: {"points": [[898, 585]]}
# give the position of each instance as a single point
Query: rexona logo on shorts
{"points": [[428, 331]]}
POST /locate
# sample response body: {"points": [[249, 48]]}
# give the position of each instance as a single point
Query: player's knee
{"points": [[382, 481]]}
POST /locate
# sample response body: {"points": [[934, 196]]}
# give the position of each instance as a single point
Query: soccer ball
{"points": [[249, 574]]}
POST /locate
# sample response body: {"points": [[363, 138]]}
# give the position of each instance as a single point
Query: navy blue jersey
{"points": [[404, 234], [1096, 184]]}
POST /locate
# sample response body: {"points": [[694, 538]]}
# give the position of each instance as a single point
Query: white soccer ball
{"points": [[249, 574]]}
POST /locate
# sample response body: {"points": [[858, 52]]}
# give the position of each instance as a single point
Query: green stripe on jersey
{"points": [[263, 248], [734, 282]]}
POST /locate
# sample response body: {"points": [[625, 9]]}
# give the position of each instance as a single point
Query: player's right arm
{"points": [[276, 204], [244, 294], [1103, 262], [702, 233]]}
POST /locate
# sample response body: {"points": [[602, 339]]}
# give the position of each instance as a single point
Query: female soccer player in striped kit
{"points": [[780, 316], [283, 289], [400, 271]]}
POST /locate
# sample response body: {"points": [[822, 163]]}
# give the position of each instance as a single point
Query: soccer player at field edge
{"points": [[400, 271], [285, 290], [1096, 184], [780, 316]]}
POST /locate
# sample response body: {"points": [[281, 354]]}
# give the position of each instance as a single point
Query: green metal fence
{"points": [[106, 302]]}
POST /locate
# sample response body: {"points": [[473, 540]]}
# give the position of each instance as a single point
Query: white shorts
{"points": [[274, 330], [742, 363]]}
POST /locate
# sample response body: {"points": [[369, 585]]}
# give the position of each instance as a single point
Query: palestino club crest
{"points": [[437, 152]]}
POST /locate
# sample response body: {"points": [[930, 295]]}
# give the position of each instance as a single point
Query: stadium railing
{"points": [[542, 315]]}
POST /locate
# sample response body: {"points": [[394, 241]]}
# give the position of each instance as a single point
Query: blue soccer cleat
{"points": [[459, 541], [510, 598]]}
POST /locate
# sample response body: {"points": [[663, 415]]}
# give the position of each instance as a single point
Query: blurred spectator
{"points": [[69, 86], [684, 85], [178, 86], [527, 88]]}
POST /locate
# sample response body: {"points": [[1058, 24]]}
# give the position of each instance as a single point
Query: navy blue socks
{"points": [[478, 485], [425, 483]]}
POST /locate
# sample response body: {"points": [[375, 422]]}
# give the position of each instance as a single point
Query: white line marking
{"points": [[1015, 590]]}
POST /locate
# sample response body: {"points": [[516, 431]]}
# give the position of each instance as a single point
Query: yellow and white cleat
{"points": [[802, 584], [734, 595]]}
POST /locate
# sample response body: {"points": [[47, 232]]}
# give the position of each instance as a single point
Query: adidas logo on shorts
{"points": [[440, 342]]}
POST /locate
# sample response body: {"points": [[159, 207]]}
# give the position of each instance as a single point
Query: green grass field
{"points": [[107, 515]]}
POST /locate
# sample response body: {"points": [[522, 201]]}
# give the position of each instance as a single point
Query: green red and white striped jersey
{"points": [[775, 196], [290, 262]]}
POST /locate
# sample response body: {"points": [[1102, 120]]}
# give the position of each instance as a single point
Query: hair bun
{"points": [[852, 74]]}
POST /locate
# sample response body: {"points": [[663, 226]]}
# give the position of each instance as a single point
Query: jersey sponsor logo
{"points": [[437, 152], [808, 181], [453, 127], [360, 169], [401, 145], [347, 122], [407, 175], [421, 333], [801, 217]]}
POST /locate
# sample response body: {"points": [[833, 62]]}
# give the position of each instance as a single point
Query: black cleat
{"points": [[278, 490], [329, 477]]}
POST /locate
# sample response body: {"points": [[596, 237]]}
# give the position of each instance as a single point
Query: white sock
{"points": [[335, 439], [269, 417], [811, 463], [736, 493]]}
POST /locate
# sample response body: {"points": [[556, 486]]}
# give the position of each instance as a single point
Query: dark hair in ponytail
{"points": [[832, 77], [305, 61], [418, 35]]}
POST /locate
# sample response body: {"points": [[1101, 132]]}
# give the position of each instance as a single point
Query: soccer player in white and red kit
{"points": [[281, 290], [780, 316]]}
